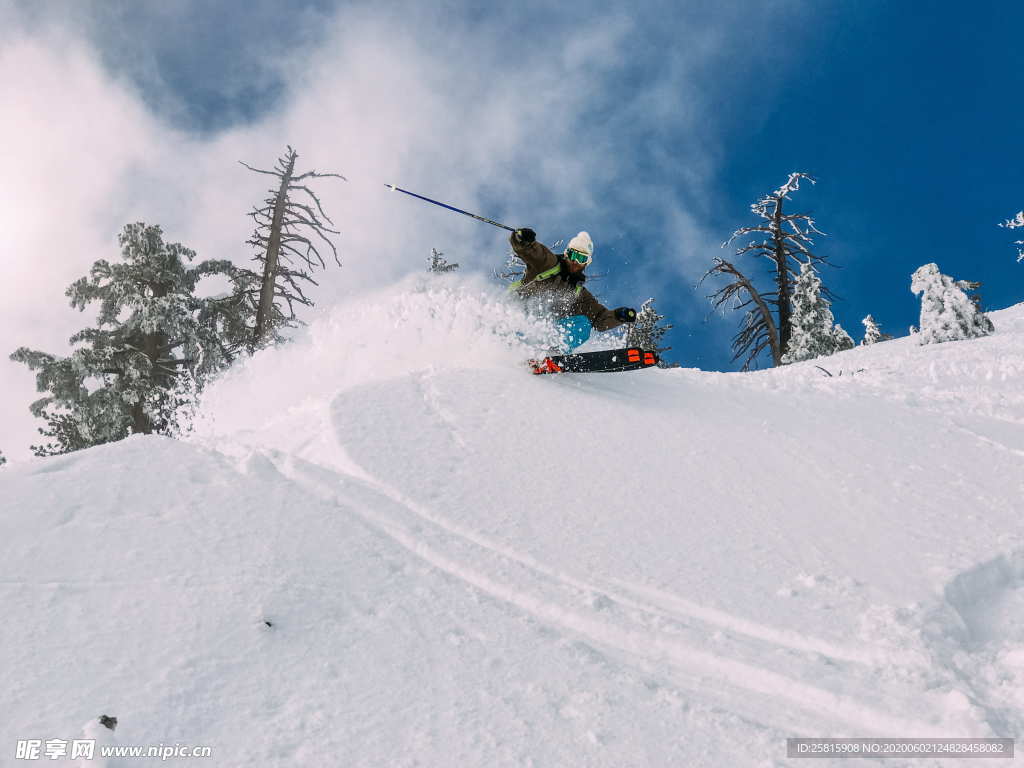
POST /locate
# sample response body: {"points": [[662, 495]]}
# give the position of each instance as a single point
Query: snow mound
{"points": [[434, 322], [388, 544]]}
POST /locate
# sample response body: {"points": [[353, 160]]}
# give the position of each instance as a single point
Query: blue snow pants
{"points": [[575, 330]]}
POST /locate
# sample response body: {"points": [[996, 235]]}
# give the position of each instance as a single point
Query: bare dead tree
{"points": [[290, 230], [785, 241], [758, 330]]}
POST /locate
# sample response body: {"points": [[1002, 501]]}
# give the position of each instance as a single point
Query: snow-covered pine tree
{"points": [[873, 332], [176, 409], [646, 332], [842, 339], [970, 287], [290, 228], [784, 240], [1017, 222], [813, 332], [438, 264], [151, 328], [947, 312]]}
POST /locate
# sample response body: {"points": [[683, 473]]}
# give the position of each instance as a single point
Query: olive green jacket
{"points": [[563, 295]]}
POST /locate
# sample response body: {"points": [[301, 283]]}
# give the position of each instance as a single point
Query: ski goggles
{"points": [[578, 256]]}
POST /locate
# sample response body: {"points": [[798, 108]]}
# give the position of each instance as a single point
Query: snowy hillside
{"points": [[388, 544]]}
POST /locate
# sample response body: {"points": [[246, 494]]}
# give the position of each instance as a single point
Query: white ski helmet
{"points": [[583, 244]]}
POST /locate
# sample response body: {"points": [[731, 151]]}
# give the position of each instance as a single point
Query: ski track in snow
{"points": [[642, 598], [367, 521], [1006, 436], [645, 635], [880, 689]]}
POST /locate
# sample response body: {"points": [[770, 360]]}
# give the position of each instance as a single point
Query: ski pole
{"points": [[449, 207]]}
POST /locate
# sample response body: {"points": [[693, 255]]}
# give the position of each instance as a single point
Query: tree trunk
{"points": [[263, 312], [141, 423], [782, 281], [152, 346]]}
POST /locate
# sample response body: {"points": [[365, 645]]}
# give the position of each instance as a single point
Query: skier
{"points": [[556, 281]]}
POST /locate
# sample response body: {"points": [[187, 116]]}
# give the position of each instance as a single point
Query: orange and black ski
{"points": [[605, 361]]}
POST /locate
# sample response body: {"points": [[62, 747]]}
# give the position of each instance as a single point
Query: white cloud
{"points": [[71, 138], [519, 127]]}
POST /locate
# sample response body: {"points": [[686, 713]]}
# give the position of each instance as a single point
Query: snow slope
{"points": [[463, 564]]}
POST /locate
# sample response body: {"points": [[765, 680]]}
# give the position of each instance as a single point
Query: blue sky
{"points": [[911, 120], [653, 127], [908, 114]]}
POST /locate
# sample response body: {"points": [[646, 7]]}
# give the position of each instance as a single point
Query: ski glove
{"points": [[524, 236], [625, 315]]}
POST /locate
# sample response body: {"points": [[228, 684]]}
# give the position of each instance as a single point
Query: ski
{"points": [[605, 361]]}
